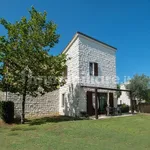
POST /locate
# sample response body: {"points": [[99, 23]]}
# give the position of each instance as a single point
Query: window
{"points": [[93, 69], [63, 100]]}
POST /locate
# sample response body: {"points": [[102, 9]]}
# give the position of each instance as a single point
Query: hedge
{"points": [[7, 111]]}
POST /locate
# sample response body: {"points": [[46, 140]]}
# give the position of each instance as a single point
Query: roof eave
{"points": [[84, 35]]}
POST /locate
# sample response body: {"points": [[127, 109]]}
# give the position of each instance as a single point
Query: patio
{"points": [[113, 111], [107, 117]]}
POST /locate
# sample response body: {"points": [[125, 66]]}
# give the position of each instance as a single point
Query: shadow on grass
{"points": [[23, 128], [54, 119]]}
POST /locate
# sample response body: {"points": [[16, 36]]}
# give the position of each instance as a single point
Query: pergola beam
{"points": [[96, 112], [102, 88]]}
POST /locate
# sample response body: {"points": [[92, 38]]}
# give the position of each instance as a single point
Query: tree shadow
{"points": [[54, 119], [20, 128], [74, 101]]}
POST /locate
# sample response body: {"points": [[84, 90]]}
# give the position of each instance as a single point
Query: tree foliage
{"points": [[118, 93], [139, 86], [26, 67]]}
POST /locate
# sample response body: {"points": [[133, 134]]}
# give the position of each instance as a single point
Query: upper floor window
{"points": [[93, 69]]}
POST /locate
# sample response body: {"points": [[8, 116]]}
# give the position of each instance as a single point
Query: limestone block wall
{"points": [[2, 96], [47, 104], [91, 51], [71, 82]]}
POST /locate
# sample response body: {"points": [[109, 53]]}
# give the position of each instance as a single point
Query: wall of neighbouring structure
{"points": [[47, 104], [144, 107], [124, 97]]}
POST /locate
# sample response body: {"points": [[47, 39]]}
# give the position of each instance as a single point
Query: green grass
{"points": [[126, 133]]}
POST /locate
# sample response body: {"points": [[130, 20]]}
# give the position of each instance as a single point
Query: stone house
{"points": [[91, 64]]}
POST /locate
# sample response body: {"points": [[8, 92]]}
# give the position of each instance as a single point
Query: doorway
{"points": [[101, 102]]}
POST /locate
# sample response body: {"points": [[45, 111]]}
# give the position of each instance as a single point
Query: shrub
{"points": [[7, 111], [124, 108]]}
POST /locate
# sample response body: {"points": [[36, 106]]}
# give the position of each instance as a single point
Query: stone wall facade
{"points": [[47, 104], [71, 82], [92, 51]]}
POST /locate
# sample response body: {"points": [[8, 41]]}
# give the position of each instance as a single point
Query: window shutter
{"points": [[95, 69], [91, 68]]}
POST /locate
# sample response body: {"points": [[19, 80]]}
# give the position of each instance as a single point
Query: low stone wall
{"points": [[47, 104], [2, 96]]}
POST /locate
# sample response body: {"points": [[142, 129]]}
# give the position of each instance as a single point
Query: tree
{"points": [[139, 86], [118, 93], [27, 68]]}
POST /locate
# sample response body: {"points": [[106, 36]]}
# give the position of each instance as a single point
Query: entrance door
{"points": [[102, 97], [101, 102]]}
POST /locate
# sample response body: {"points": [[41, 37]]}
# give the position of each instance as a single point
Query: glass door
{"points": [[102, 102]]}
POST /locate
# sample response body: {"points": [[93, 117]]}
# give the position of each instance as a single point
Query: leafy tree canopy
{"points": [[139, 86], [26, 67]]}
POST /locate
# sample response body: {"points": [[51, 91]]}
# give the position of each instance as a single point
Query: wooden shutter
{"points": [[90, 109], [95, 69], [90, 68]]}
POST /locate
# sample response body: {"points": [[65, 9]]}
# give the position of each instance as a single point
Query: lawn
{"points": [[123, 133]]}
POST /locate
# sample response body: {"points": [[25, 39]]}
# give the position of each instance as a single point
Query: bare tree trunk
{"points": [[23, 100]]}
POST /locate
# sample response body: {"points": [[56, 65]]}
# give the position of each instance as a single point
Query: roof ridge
{"points": [[83, 34]]}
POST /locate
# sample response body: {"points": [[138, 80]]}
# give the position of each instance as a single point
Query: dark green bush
{"points": [[124, 108], [7, 111]]}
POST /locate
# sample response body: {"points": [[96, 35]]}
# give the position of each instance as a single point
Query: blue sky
{"points": [[122, 24]]}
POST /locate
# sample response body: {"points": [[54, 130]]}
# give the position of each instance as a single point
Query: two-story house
{"points": [[91, 63]]}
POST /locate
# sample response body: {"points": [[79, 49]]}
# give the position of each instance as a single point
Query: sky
{"points": [[124, 24]]}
